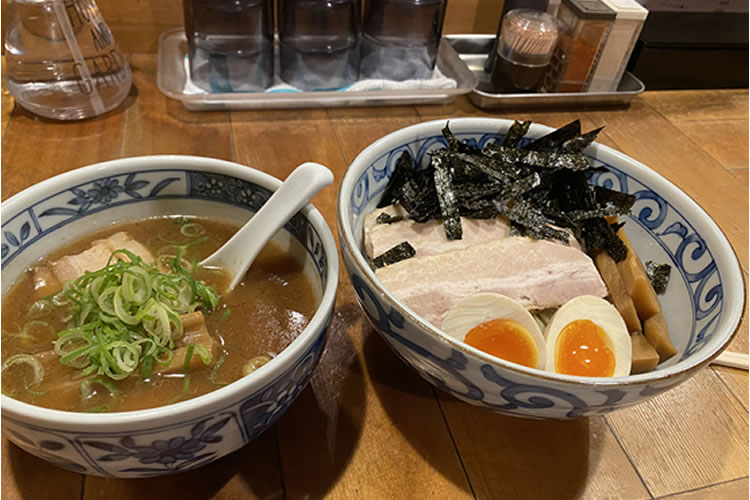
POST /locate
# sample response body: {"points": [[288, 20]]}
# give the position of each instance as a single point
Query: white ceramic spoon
{"points": [[239, 252]]}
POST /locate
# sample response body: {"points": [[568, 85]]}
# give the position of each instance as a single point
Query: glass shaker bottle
{"points": [[524, 50], [319, 43], [585, 27], [230, 44], [400, 38], [61, 59], [509, 5]]}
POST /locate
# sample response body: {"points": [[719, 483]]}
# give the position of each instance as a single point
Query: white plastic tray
{"points": [[172, 77]]}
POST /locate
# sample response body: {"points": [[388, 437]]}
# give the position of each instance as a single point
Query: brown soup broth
{"points": [[261, 316]]}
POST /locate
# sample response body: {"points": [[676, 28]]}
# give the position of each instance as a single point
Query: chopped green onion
{"points": [[40, 309], [192, 230], [254, 364], [26, 359], [128, 312], [146, 367], [88, 392], [188, 356], [215, 369]]}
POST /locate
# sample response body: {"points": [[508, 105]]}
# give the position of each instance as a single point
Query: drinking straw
{"points": [[75, 51]]}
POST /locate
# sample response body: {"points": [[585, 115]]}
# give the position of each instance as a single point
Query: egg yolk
{"points": [[581, 349], [506, 339]]}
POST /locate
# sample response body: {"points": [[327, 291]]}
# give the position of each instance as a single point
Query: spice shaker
{"points": [[629, 20], [585, 27], [527, 39], [509, 5]]}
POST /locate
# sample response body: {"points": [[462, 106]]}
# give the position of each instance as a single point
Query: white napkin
{"points": [[437, 81]]}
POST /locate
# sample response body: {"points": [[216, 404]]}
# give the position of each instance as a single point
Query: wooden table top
{"points": [[369, 427]]}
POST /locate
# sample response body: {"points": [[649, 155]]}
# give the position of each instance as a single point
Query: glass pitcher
{"points": [[61, 59]]}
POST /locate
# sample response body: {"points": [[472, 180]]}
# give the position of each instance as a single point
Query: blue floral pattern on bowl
{"points": [[184, 444], [670, 236]]}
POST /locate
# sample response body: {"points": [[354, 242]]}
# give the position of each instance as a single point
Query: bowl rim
{"points": [[216, 400], [734, 287]]}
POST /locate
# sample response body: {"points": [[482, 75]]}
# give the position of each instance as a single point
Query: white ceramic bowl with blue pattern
{"points": [[703, 304], [189, 434]]}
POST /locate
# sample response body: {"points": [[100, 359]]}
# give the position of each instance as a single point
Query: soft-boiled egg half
{"points": [[587, 336], [497, 325]]}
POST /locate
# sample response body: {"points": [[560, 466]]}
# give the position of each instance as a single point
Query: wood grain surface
{"points": [[367, 426]]}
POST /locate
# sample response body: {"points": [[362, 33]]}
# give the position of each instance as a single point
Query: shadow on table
{"points": [[318, 435], [500, 456]]}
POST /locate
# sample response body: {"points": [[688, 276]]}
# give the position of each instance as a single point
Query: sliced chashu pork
{"points": [[538, 273], [427, 238], [195, 332], [49, 279]]}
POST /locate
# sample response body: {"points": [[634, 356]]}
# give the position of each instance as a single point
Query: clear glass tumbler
{"points": [[400, 38], [61, 59], [230, 44], [319, 43]]}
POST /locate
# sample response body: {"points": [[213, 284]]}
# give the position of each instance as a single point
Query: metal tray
{"points": [[172, 77], [473, 50]]}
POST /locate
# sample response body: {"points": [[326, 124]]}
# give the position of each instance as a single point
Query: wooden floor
{"points": [[369, 427]]}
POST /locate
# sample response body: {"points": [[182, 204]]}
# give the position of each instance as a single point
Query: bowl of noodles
{"points": [[122, 356], [532, 271]]}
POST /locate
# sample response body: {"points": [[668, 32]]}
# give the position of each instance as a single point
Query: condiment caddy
{"points": [[474, 50]]}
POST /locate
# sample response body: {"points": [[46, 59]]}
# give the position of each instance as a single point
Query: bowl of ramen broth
{"points": [[237, 364]]}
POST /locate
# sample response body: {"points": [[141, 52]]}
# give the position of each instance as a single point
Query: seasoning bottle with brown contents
{"points": [[585, 27], [524, 49]]}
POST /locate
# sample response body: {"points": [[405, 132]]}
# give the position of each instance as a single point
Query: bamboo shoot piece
{"points": [[657, 334], [637, 283], [645, 358], [620, 298]]}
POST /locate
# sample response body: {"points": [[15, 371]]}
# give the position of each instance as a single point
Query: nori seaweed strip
{"points": [[523, 185], [576, 215], [385, 218], [419, 201], [581, 142], [483, 209], [481, 164], [466, 172], [597, 234], [534, 223], [447, 199], [553, 140], [546, 159], [401, 174], [469, 192], [516, 133], [571, 191], [454, 145], [451, 139], [400, 252], [623, 201], [658, 275], [492, 166]]}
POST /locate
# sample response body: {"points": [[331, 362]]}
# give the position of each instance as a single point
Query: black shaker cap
{"points": [[590, 9]]}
